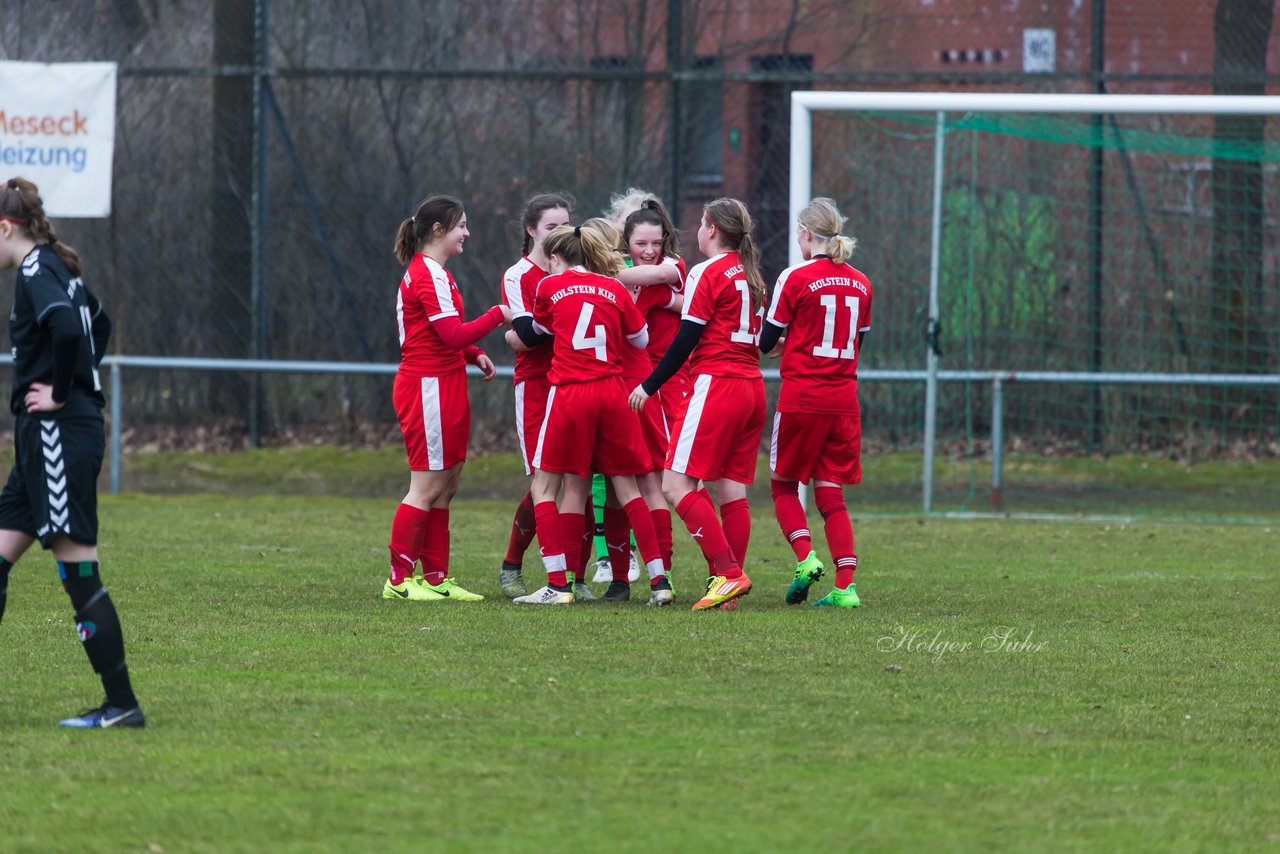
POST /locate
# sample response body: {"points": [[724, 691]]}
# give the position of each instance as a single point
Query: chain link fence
{"points": [[266, 152]]}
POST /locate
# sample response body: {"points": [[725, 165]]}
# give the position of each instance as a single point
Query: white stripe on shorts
{"points": [[524, 456], [773, 443], [689, 429], [542, 432], [431, 425]]}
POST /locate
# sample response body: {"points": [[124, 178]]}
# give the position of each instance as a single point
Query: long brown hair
{"points": [[414, 231], [537, 206], [734, 221], [20, 203], [651, 212]]}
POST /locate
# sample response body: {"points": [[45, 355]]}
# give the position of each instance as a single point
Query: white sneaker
{"points": [[659, 598], [545, 596], [604, 572], [633, 574]]}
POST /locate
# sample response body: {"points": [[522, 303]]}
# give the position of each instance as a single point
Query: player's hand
{"points": [[506, 314], [39, 398], [485, 364], [639, 397]]}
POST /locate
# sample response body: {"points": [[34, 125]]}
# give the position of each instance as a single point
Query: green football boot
{"points": [[808, 571], [838, 598]]}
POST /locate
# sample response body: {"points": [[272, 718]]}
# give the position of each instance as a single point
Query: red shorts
{"points": [[654, 427], [589, 428], [719, 433], [435, 418], [531, 408], [674, 395], [808, 447]]}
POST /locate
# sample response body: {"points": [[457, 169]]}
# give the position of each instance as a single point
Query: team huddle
{"points": [[633, 369]]}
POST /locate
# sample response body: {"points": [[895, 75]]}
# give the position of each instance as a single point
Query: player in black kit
{"points": [[59, 334]]}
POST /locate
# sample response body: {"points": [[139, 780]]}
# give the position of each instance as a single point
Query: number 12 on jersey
{"points": [[831, 306]]}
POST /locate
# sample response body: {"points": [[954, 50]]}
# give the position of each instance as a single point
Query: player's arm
{"points": [[770, 335], [459, 336], [529, 333], [779, 317], [99, 327], [646, 275], [65, 333], [633, 324], [677, 354]]}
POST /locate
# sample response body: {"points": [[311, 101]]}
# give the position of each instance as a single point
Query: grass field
{"points": [[1132, 703]]}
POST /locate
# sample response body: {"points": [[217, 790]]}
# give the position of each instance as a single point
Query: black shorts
{"points": [[53, 488]]}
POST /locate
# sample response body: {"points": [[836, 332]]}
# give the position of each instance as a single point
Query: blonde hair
{"points": [[734, 221], [622, 205], [823, 220], [589, 245]]}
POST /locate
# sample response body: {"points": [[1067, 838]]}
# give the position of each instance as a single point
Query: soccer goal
{"points": [[1066, 282]]}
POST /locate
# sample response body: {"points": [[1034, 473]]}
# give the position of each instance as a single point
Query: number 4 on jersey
{"points": [[827, 348], [597, 340]]}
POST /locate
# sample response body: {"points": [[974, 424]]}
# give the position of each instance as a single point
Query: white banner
{"points": [[58, 129]]}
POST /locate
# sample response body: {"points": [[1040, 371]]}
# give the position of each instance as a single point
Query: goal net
{"points": [[1113, 260]]}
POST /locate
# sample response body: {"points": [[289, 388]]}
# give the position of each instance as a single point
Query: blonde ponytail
{"points": [[592, 245], [823, 220]]}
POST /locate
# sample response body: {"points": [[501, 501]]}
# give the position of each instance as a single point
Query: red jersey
{"points": [[717, 295], [519, 286], [635, 360], [427, 293], [589, 315], [655, 303], [823, 306]]}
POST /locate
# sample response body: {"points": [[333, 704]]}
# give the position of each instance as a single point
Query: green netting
{"points": [[1121, 243]]}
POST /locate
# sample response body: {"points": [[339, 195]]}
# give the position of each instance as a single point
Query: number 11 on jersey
{"points": [[827, 349]]}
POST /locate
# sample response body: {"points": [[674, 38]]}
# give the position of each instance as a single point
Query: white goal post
{"points": [[805, 104]]}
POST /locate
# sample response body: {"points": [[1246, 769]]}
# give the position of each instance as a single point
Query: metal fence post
{"points": [[117, 384], [931, 337], [997, 443]]}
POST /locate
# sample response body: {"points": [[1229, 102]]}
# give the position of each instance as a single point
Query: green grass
{"points": [[1139, 486], [292, 709]]}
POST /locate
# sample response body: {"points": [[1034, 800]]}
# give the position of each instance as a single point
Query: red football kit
{"points": [[718, 434], [430, 393], [823, 306], [519, 287], [664, 322], [588, 425]]}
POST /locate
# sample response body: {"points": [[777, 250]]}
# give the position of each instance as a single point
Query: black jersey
{"points": [[46, 286]]}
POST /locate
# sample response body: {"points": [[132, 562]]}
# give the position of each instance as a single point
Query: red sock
{"points": [[408, 527], [662, 526], [706, 493], [791, 518], [571, 535], [617, 539], [435, 546], [700, 518], [523, 527], [830, 501], [549, 537], [735, 516], [642, 523]]}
